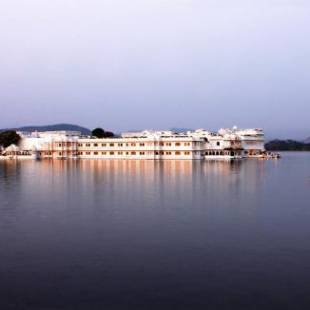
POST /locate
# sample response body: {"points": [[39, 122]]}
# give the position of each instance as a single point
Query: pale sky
{"points": [[133, 64]]}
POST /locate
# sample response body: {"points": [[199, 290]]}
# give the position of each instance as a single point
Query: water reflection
{"points": [[183, 181], [169, 178]]}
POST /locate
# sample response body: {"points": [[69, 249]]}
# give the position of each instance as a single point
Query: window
{"points": [[161, 143], [168, 153], [133, 144], [95, 144], [120, 144], [187, 144], [218, 143], [156, 153], [142, 153], [187, 153], [103, 144], [177, 144], [133, 153], [111, 144], [120, 153], [168, 144], [177, 153], [95, 153], [87, 144], [141, 144], [111, 153], [104, 153]]}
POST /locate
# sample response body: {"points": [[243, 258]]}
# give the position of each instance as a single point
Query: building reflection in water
{"points": [[170, 184]]}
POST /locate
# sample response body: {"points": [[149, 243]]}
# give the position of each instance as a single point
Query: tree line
{"points": [[287, 145]]}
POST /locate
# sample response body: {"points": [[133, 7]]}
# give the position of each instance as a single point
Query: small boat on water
{"points": [[270, 155]]}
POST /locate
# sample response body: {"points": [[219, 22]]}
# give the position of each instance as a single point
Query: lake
{"points": [[111, 234]]}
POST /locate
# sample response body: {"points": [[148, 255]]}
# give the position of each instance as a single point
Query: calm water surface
{"points": [[155, 235]]}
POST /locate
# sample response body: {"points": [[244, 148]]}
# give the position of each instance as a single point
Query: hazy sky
{"points": [[134, 64]]}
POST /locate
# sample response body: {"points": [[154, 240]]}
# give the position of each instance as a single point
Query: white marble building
{"points": [[150, 145]]}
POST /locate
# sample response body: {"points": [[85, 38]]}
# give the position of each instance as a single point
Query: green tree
{"points": [[108, 134], [100, 133], [9, 137]]}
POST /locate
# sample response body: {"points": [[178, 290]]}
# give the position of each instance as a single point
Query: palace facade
{"points": [[149, 145]]}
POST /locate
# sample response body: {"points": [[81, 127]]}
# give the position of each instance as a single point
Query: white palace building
{"points": [[150, 145]]}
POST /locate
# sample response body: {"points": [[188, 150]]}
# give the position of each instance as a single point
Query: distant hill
{"points": [[179, 130], [287, 145], [56, 127], [307, 140]]}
